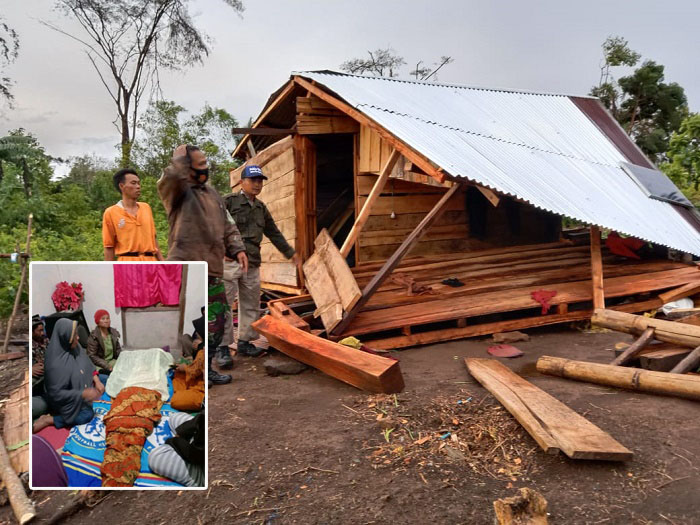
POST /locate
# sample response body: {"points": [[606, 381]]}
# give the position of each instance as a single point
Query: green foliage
{"points": [[165, 127], [649, 109], [684, 155], [9, 49]]}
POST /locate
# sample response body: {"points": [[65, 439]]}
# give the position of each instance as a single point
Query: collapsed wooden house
{"points": [[418, 183]]}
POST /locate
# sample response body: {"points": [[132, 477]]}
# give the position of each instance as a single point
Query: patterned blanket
{"points": [[84, 450]]}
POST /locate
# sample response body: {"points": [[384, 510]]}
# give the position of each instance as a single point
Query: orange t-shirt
{"points": [[127, 233]]}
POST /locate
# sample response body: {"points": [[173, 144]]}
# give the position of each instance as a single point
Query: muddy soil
{"points": [[308, 449]]}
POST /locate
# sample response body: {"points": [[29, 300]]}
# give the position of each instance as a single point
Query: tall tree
{"points": [[387, 63], [649, 109], [9, 48], [684, 153], [127, 41], [164, 127]]}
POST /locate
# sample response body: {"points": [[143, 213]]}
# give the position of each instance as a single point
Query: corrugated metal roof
{"points": [[538, 147]]}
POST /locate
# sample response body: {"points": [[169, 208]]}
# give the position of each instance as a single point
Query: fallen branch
{"points": [[251, 511], [306, 469], [21, 504]]}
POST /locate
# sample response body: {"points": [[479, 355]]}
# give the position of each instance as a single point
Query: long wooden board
{"points": [[360, 369], [570, 432]]}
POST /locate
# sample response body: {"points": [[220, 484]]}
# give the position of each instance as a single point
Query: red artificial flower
{"points": [[67, 296]]}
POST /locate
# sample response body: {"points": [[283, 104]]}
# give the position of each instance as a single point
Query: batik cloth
{"points": [[134, 414]]}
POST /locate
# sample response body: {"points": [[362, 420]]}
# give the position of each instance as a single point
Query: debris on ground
{"points": [[510, 337], [527, 508]]}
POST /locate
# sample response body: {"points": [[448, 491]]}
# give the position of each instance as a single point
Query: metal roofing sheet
{"points": [[540, 148]]}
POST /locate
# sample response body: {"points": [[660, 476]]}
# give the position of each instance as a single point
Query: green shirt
{"points": [[109, 349], [253, 221]]}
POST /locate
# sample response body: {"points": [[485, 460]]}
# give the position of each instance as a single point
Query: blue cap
{"points": [[252, 171]]}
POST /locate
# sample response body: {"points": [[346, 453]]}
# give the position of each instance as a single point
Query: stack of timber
{"points": [[498, 282], [553, 425]]}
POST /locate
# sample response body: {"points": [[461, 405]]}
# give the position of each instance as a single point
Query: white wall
{"points": [[196, 294], [98, 284], [97, 279]]}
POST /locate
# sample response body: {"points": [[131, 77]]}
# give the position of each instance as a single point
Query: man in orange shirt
{"points": [[128, 230]]}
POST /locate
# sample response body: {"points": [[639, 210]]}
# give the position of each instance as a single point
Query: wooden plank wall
{"points": [[410, 195], [278, 195]]}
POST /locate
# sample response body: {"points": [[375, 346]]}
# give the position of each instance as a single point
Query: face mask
{"points": [[202, 175]]}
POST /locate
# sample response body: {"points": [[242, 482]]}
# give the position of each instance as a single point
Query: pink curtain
{"points": [[141, 285]]}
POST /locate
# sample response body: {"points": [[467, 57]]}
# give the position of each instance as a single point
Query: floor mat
{"points": [[85, 447], [55, 436]]}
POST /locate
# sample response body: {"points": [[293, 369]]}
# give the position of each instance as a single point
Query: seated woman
{"points": [[103, 344], [188, 381], [70, 379], [181, 459]]}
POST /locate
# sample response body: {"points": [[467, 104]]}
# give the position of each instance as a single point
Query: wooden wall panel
{"points": [[278, 195]]}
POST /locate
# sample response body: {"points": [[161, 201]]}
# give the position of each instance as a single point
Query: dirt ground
{"points": [[308, 449]]}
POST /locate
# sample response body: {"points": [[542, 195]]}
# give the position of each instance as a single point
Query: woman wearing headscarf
{"points": [[103, 346], [72, 383]]}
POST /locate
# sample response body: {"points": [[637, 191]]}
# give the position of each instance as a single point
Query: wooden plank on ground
{"points": [[16, 426], [360, 369], [510, 400], [573, 434], [338, 269]]}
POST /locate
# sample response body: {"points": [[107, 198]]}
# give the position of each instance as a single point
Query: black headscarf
{"points": [[68, 371]]}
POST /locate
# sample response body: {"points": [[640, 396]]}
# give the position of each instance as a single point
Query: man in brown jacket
{"points": [[201, 230]]}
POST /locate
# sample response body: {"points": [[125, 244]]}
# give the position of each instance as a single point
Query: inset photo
{"points": [[118, 368]]}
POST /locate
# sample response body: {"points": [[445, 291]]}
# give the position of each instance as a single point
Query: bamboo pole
{"points": [[22, 279], [367, 207], [597, 269], [679, 385], [21, 504], [668, 331]]}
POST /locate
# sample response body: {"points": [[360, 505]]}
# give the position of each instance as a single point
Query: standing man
{"points": [[253, 220], [201, 230], [128, 230]]}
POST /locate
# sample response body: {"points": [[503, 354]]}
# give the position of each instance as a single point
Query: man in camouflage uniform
{"points": [[201, 230], [253, 221]]}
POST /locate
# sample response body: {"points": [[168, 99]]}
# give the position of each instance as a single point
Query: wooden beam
{"points": [[264, 132], [395, 259], [679, 385], [283, 94], [689, 363], [667, 331], [281, 311], [367, 206], [417, 158], [634, 349], [680, 293], [597, 269], [360, 369], [490, 195]]}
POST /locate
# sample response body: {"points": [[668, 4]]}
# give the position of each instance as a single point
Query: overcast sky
{"points": [[551, 46]]}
